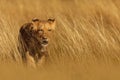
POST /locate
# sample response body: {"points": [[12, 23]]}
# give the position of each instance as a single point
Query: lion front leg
{"points": [[41, 61], [30, 60]]}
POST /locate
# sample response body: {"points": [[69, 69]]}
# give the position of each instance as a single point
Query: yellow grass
{"points": [[84, 46]]}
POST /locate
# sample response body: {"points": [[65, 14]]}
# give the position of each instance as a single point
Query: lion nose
{"points": [[45, 38]]}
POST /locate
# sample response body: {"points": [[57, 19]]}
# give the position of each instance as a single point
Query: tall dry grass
{"points": [[84, 46]]}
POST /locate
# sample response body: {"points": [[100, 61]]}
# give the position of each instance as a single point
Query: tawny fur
{"points": [[33, 39]]}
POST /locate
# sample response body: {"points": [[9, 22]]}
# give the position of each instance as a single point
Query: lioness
{"points": [[33, 39]]}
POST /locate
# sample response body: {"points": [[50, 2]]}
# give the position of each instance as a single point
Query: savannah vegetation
{"points": [[84, 46]]}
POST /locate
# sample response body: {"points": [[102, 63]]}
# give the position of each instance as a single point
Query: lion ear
{"points": [[35, 22], [52, 22]]}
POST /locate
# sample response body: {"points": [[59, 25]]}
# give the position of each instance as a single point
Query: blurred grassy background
{"points": [[84, 46]]}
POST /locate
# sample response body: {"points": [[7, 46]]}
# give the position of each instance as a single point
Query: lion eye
{"points": [[49, 29], [31, 28], [40, 31]]}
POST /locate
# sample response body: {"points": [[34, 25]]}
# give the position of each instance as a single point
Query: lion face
{"points": [[42, 30]]}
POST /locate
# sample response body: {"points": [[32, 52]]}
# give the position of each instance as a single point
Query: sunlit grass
{"points": [[84, 46]]}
